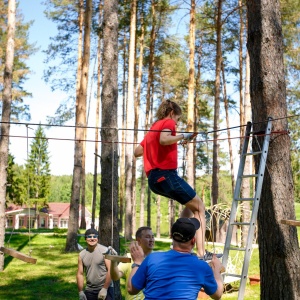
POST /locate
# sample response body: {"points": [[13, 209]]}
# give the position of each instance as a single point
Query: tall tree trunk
{"points": [[142, 201], [6, 112], [226, 106], [95, 179], [108, 219], [149, 98], [71, 243], [278, 243], [122, 162], [151, 63], [215, 174], [191, 96], [245, 187], [171, 214], [82, 191], [241, 68], [158, 216], [129, 220], [79, 47], [137, 109]]}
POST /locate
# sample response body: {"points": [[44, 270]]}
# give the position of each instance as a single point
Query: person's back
{"points": [[177, 273], [174, 275]]}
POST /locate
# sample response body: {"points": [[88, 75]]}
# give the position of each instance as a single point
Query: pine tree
{"points": [[38, 170], [16, 190]]}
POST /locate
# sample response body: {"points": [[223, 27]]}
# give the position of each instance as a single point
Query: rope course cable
{"points": [[128, 129]]}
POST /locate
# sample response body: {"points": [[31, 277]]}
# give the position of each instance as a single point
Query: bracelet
{"points": [[134, 265]]}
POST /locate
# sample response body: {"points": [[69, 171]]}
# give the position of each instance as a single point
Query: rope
{"points": [[112, 195], [107, 142], [126, 129], [29, 202]]}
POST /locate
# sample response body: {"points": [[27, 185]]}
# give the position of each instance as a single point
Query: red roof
{"points": [[54, 208], [59, 209]]}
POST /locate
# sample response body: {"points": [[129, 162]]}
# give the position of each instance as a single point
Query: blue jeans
{"points": [[167, 183]]}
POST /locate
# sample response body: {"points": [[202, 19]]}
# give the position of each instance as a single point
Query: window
{"points": [[9, 222], [64, 223]]}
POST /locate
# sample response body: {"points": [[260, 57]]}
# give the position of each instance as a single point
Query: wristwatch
{"points": [[134, 265]]}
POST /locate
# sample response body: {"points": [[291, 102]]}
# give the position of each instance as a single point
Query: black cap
{"points": [[91, 231], [184, 229]]}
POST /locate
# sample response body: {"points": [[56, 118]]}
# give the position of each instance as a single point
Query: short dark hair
{"points": [[139, 232], [91, 231]]}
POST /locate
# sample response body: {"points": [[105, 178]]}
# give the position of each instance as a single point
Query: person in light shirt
{"points": [[96, 268], [145, 240]]}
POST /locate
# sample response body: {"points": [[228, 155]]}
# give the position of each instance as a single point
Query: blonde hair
{"points": [[166, 107]]}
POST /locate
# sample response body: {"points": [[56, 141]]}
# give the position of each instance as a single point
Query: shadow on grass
{"points": [[21, 238], [44, 287]]}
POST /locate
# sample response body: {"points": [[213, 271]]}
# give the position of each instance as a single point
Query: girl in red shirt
{"points": [[159, 150]]}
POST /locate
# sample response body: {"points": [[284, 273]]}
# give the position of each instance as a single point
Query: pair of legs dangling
{"points": [[167, 183]]}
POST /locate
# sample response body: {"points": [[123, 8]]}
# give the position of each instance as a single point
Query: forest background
{"points": [[142, 64], [170, 78]]}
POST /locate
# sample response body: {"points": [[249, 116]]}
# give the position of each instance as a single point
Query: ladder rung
{"points": [[237, 249], [253, 153], [240, 223], [249, 176], [245, 199], [233, 275]]}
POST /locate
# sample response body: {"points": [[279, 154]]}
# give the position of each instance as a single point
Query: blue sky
{"points": [[44, 102]]}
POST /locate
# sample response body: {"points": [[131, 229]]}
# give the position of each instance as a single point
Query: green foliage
{"points": [[23, 50], [38, 169], [60, 230], [16, 191], [60, 188]]}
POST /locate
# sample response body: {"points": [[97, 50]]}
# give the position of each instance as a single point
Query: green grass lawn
{"points": [[53, 276]]}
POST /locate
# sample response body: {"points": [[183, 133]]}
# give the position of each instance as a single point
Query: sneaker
{"points": [[209, 255]]}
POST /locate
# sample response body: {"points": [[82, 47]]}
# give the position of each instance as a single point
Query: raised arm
{"points": [[216, 267], [166, 137], [115, 273], [137, 255]]}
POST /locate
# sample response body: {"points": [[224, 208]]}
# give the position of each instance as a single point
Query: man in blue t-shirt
{"points": [[177, 273]]}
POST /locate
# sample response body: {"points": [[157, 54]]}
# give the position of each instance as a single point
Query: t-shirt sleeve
{"points": [[169, 124], [123, 267], [139, 278], [210, 286]]}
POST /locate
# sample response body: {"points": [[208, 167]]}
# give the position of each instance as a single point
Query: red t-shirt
{"points": [[155, 154]]}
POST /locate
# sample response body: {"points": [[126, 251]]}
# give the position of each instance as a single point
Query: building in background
{"points": [[55, 215]]}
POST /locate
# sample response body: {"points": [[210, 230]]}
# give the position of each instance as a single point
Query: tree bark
{"points": [[215, 174], [6, 113], [95, 183], [137, 108], [129, 219], [278, 243], [191, 96], [71, 243], [108, 219]]}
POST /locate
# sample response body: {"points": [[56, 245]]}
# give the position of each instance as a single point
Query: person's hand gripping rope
{"points": [[188, 137]]}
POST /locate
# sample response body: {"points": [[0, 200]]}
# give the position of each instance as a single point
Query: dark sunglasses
{"points": [[92, 236]]}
